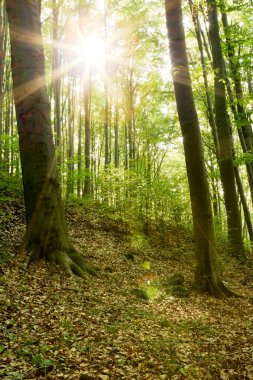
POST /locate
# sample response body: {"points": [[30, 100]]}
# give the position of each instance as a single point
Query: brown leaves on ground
{"points": [[64, 328]]}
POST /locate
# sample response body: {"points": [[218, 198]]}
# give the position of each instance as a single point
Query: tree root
{"points": [[215, 289], [70, 260]]}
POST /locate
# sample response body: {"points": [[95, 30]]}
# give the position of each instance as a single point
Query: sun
{"points": [[92, 51], [86, 49]]}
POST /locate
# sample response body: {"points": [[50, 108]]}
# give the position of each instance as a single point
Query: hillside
{"points": [[140, 320]]}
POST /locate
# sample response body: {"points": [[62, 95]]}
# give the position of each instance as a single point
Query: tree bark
{"points": [[87, 142], [207, 278], [3, 42], [56, 82], [46, 234], [116, 128], [237, 106], [226, 160]]}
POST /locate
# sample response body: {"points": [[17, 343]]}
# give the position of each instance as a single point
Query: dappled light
{"points": [[92, 49], [126, 190]]}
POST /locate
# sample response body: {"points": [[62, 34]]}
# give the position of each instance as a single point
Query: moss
{"points": [[164, 323], [175, 279], [179, 291], [140, 293]]}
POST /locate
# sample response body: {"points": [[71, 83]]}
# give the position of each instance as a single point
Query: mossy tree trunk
{"points": [[207, 278], [46, 234]]}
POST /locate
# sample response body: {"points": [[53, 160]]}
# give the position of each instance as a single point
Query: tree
{"points": [[238, 108], [56, 80], [3, 43], [46, 234], [206, 278], [224, 136]]}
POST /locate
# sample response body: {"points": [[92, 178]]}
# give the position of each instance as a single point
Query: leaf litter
{"points": [[126, 324]]}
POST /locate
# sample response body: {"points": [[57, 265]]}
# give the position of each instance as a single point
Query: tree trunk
{"points": [[116, 128], [46, 234], [79, 155], [240, 114], [131, 121], [211, 116], [107, 126], [226, 160], [207, 279], [3, 42], [70, 137], [244, 204], [232, 102], [87, 142], [56, 82]]}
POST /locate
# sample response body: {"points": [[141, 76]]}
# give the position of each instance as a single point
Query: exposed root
{"points": [[207, 285], [71, 261], [32, 255]]}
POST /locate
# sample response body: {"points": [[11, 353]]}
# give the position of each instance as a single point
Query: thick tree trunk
{"points": [[207, 279], [226, 160], [56, 82], [46, 234]]}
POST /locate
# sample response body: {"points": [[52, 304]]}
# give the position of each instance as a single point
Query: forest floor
{"points": [[140, 320]]}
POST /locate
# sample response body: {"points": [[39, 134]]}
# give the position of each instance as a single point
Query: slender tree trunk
{"points": [[226, 160], [70, 137], [116, 138], [240, 114], [234, 61], [3, 43], [7, 123], [232, 103], [12, 140], [249, 82], [87, 142], [46, 234], [126, 163], [107, 127], [244, 203], [214, 129], [211, 115], [207, 279], [131, 121], [79, 155]]}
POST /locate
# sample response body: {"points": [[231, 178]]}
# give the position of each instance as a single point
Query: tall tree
{"points": [[224, 135], [56, 80], [3, 42], [46, 234], [207, 278], [241, 117], [87, 142]]}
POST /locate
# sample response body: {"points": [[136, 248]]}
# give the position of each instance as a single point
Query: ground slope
{"points": [[140, 320]]}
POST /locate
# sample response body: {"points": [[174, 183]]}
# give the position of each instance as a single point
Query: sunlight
{"points": [[92, 51]]}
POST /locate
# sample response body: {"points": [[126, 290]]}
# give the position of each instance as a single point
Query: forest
{"points": [[126, 189]]}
